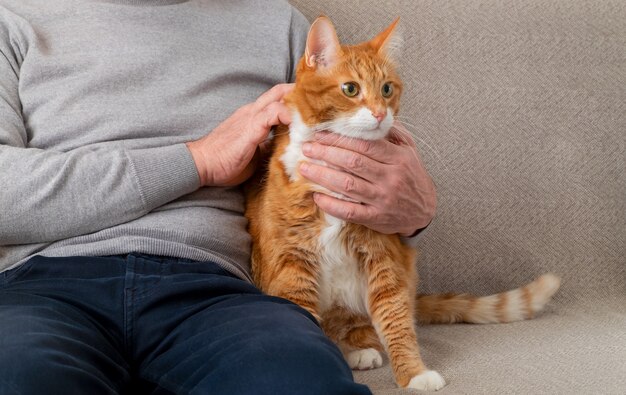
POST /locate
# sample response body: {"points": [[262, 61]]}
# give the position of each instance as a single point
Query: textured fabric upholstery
{"points": [[520, 108]]}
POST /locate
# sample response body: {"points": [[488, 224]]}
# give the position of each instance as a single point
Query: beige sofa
{"points": [[521, 109]]}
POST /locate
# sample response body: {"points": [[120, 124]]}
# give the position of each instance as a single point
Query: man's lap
{"points": [[102, 324]]}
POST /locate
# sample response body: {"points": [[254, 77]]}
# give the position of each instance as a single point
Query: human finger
{"points": [[348, 211], [380, 150], [275, 94], [350, 161], [272, 115], [340, 182]]}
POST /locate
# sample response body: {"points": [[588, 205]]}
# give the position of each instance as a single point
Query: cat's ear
{"points": [[389, 41], [322, 45]]}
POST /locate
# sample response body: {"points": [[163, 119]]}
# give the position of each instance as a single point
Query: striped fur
{"points": [[515, 305]]}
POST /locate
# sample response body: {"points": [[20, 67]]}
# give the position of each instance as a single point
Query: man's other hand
{"points": [[386, 178]]}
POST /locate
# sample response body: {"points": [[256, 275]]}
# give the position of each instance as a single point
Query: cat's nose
{"points": [[379, 115]]}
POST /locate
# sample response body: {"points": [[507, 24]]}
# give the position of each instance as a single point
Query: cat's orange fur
{"points": [[286, 227]]}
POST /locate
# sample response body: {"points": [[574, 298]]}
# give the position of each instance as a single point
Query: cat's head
{"points": [[351, 90]]}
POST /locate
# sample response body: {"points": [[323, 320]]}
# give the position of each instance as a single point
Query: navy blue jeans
{"points": [[141, 324]]}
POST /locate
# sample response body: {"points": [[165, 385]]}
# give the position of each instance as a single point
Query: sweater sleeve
{"points": [[414, 239], [48, 195]]}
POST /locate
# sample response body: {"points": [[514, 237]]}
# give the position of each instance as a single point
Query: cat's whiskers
{"points": [[415, 129], [336, 143], [412, 129]]}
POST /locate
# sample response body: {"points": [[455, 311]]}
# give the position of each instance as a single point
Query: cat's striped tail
{"points": [[515, 305]]}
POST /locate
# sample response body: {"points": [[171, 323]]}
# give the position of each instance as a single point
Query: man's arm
{"points": [[48, 195]]}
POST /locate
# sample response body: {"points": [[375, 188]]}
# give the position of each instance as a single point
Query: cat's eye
{"points": [[350, 89], [387, 90]]}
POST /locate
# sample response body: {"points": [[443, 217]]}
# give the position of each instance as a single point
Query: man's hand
{"points": [[387, 177], [227, 155]]}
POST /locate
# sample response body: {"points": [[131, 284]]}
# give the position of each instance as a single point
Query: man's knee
{"points": [[302, 366], [286, 352]]}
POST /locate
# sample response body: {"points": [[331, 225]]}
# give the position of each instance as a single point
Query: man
{"points": [[125, 128]]}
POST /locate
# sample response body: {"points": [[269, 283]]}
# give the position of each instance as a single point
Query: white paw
{"points": [[368, 358], [427, 381]]}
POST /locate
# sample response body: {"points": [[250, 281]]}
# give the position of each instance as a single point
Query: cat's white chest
{"points": [[341, 281]]}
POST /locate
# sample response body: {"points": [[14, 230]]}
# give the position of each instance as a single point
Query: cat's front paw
{"points": [[429, 380], [365, 359]]}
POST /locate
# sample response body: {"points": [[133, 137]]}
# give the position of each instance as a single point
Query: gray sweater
{"points": [[97, 99]]}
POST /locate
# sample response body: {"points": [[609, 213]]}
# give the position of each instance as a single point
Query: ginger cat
{"points": [[358, 283]]}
